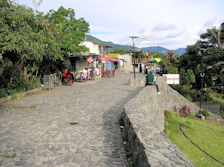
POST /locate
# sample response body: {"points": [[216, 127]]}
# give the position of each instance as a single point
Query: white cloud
{"points": [[167, 36], [172, 23], [164, 27], [210, 22]]}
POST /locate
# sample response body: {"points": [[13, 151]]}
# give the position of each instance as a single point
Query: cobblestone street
{"points": [[69, 126]]}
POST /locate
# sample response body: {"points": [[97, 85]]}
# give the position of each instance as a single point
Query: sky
{"points": [[168, 23]]}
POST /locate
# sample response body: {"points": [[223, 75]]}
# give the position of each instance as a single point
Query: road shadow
{"points": [[112, 134]]}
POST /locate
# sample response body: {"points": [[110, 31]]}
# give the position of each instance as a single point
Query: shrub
{"points": [[222, 109], [166, 124], [172, 70], [3, 93], [167, 131], [14, 94], [57, 80], [177, 114], [189, 124], [186, 91], [205, 113], [206, 96], [189, 98], [184, 111], [216, 98], [34, 82], [168, 114], [18, 84], [192, 115]]}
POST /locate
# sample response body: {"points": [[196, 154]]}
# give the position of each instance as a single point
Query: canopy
{"points": [[153, 60], [104, 58], [113, 59]]}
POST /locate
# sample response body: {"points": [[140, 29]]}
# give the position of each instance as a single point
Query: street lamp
{"points": [[202, 76], [133, 41]]}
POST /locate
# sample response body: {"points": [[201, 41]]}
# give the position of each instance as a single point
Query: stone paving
{"points": [[69, 126]]}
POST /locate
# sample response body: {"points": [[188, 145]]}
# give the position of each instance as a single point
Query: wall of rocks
{"points": [[170, 97], [143, 121]]}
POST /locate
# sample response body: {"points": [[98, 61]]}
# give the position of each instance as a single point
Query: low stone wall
{"points": [[137, 81], [170, 97], [143, 120]]}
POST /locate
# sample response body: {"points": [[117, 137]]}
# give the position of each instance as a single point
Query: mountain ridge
{"points": [[158, 49]]}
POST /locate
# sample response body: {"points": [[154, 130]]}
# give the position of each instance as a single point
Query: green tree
{"points": [[122, 51], [187, 77], [32, 44], [71, 31], [206, 56], [18, 42]]}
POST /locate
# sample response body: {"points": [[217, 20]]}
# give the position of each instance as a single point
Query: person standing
{"points": [[164, 70], [70, 77]]}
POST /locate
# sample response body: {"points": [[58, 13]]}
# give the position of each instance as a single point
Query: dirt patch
{"points": [[213, 121], [219, 123]]}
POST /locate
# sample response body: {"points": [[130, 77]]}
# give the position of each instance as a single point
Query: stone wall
{"points": [[171, 97], [143, 128]]}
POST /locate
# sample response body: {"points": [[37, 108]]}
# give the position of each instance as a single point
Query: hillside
{"points": [[163, 50], [180, 51], [158, 49], [115, 46]]}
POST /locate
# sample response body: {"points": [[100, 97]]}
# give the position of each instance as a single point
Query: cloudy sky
{"points": [[168, 23]]}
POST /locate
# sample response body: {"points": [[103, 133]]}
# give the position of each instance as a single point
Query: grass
{"points": [[210, 140], [7, 108]]}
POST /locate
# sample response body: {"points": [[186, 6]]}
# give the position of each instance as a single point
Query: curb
{"points": [[4, 99]]}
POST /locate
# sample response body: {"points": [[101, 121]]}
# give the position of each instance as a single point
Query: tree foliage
{"points": [[71, 30], [207, 56], [122, 51], [33, 44]]}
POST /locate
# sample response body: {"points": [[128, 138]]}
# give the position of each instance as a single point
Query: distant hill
{"points": [[158, 49], [115, 46], [93, 39], [180, 51], [163, 50]]}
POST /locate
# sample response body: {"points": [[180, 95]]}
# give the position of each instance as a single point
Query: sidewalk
{"points": [[69, 126]]}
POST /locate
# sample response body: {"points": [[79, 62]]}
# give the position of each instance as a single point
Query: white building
{"points": [[94, 47]]}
